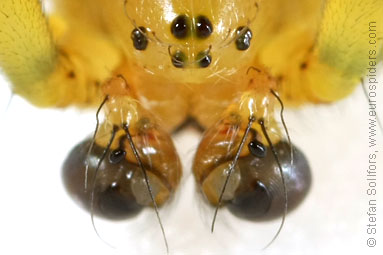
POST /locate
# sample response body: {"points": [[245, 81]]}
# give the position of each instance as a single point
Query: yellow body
{"points": [[62, 58]]}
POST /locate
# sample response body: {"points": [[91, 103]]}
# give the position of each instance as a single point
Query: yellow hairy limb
{"points": [[46, 62], [27, 53], [345, 36], [350, 37], [323, 59]]}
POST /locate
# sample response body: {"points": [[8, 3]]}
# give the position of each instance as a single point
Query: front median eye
{"points": [[140, 41], [204, 28], [180, 27]]}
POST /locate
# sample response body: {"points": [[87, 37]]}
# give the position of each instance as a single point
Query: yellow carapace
{"points": [[231, 65]]}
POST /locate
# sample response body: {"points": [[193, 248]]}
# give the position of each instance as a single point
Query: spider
{"points": [[232, 67]]}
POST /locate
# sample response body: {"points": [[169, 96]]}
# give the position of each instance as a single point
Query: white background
{"points": [[37, 216]]}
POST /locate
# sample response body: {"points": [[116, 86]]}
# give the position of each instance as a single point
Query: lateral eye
{"points": [[204, 28], [140, 41], [243, 41], [180, 27]]}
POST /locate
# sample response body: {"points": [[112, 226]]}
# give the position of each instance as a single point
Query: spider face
{"points": [[191, 42]]}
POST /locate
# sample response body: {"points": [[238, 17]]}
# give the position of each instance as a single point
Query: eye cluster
{"points": [[184, 27]]}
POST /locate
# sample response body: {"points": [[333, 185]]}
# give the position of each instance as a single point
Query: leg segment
{"points": [[47, 65], [325, 63]]}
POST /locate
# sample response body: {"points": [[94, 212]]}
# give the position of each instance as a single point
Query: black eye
{"points": [[257, 149], [140, 41], [204, 28], [180, 27], [243, 41], [204, 59], [117, 156], [178, 59]]}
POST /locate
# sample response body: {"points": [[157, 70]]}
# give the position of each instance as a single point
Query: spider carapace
{"points": [[149, 65]]}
